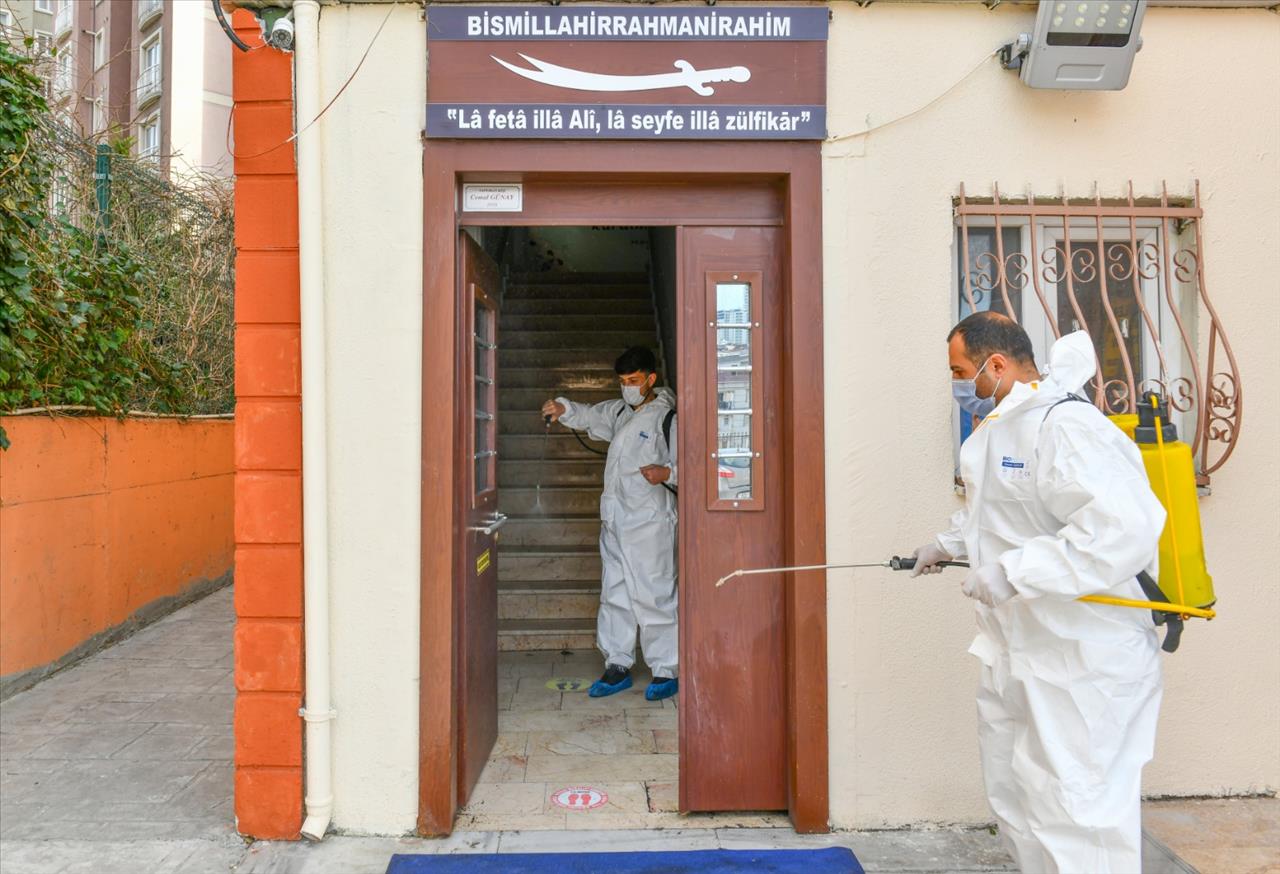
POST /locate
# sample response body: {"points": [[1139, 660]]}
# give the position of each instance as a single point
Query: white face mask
{"points": [[633, 395]]}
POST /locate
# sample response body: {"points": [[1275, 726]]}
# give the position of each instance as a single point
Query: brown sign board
{"points": [[635, 72]]}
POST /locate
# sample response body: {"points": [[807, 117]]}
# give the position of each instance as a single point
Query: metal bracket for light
{"points": [[1078, 45]]}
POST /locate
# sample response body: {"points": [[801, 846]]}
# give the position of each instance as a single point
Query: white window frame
{"points": [[150, 42], [43, 41], [6, 20], [150, 122], [64, 71], [44, 6], [99, 48]]}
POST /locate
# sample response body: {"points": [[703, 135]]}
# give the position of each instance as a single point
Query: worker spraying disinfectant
{"points": [[1062, 508]]}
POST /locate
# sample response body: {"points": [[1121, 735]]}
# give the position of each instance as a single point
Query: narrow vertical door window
{"points": [[485, 444], [734, 307]]}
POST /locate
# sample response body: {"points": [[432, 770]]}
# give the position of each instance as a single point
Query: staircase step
{"points": [[546, 634], [556, 444], [553, 472], [556, 501], [537, 600], [578, 306], [560, 380], [554, 563], [577, 530], [559, 340], [588, 356], [531, 399], [642, 323]]}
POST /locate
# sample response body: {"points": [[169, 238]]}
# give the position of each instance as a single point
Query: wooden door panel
{"points": [[733, 716], [477, 572]]}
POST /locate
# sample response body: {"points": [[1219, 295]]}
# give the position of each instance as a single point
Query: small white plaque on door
{"points": [[488, 197]]}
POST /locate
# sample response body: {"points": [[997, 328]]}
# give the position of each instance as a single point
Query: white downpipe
{"points": [[318, 710]]}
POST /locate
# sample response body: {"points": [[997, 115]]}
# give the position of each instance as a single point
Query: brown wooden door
{"points": [[733, 717], [477, 576]]}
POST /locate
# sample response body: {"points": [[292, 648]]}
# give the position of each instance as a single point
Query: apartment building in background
{"points": [[155, 71], [20, 19]]}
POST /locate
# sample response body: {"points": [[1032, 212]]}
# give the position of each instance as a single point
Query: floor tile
{"points": [[601, 769], [590, 743]]}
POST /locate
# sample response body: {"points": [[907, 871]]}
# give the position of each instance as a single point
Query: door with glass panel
{"points": [[733, 702], [478, 576]]}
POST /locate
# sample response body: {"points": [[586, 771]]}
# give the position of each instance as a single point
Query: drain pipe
{"points": [[318, 711]]}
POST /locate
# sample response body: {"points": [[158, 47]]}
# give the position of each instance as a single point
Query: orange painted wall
{"points": [[268, 446], [99, 518]]}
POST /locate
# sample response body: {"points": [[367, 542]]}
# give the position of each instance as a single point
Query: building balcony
{"points": [[147, 10], [63, 19], [148, 85]]}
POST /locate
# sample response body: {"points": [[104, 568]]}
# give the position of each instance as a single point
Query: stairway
{"points": [[558, 336]]}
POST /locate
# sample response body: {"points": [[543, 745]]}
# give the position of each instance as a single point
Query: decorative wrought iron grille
{"points": [[1131, 273]]}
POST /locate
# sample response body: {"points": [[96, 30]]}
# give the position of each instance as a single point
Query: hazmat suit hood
{"points": [[1072, 361], [664, 395]]}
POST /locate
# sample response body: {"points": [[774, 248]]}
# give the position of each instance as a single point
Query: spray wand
{"points": [[899, 563]]}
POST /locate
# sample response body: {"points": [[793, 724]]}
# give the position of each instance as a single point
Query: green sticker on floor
{"points": [[567, 684]]}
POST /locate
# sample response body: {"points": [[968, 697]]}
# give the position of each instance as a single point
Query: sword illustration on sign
{"points": [[579, 80]]}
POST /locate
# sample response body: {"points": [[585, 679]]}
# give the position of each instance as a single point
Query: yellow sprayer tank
{"points": [[1184, 577]]}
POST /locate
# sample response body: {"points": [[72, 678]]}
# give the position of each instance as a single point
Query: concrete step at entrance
{"points": [[582, 530], [548, 599], [518, 400], [549, 563], [546, 634], [571, 306], [588, 356], [559, 340], [556, 500], [561, 380], [556, 445], [592, 322], [551, 473]]}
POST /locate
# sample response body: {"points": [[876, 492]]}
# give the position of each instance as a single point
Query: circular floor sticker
{"points": [[567, 684], [579, 798]]}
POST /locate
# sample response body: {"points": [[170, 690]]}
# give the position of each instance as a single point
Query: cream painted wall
{"points": [[373, 273], [903, 745]]}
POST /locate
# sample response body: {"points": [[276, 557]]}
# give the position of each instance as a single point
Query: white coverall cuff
{"points": [[951, 545]]}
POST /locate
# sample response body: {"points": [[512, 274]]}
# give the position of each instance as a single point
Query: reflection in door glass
{"points": [[485, 411], [734, 415]]}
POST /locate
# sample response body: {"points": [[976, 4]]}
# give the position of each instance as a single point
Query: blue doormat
{"points": [[834, 860]]}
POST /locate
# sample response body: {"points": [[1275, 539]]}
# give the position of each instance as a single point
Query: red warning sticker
{"points": [[580, 798]]}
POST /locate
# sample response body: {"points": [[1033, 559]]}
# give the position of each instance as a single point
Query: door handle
{"points": [[498, 520]]}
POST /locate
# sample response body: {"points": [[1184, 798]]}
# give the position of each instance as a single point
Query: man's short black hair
{"points": [[636, 359], [987, 333]]}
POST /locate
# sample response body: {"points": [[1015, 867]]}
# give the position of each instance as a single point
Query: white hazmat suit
{"points": [[1070, 691], [638, 531]]}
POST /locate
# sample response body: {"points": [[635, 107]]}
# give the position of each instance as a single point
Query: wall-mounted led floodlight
{"points": [[1078, 45]]}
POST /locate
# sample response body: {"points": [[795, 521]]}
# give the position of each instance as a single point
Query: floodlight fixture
{"points": [[1078, 45]]}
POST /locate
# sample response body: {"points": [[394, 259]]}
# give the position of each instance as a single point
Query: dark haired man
{"points": [[638, 530], [1057, 505]]}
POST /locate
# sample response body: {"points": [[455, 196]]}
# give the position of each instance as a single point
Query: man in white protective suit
{"points": [[1057, 506], [638, 530]]}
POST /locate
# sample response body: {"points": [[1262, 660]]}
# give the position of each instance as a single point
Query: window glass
{"points": [[485, 397], [983, 266], [734, 414], [1086, 285]]}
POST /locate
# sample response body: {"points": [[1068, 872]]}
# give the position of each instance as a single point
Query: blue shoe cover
{"points": [[601, 689], [660, 689]]}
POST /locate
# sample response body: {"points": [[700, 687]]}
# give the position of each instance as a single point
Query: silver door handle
{"points": [[498, 520]]}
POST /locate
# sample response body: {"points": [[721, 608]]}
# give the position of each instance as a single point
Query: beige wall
{"points": [[373, 281], [902, 727], [903, 745]]}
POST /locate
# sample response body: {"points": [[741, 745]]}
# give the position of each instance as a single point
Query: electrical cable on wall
{"points": [[918, 110], [390, 9]]}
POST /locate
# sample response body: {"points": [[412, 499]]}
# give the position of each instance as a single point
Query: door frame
{"points": [[665, 184]]}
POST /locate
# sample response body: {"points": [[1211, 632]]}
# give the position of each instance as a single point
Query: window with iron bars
{"points": [[1131, 273]]}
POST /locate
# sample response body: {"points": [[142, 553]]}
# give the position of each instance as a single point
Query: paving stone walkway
{"points": [[123, 763]]}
